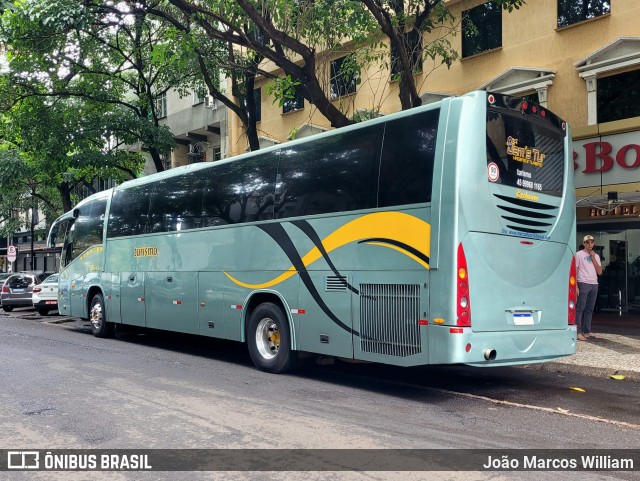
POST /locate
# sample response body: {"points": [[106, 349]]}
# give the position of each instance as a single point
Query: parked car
{"points": [[16, 290], [3, 277], [45, 295]]}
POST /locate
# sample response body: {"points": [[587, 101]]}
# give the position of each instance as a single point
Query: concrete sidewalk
{"points": [[614, 350]]}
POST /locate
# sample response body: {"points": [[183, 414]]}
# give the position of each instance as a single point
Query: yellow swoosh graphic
{"points": [[396, 226]]}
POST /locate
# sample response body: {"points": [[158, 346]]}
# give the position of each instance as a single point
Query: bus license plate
{"points": [[522, 319]]}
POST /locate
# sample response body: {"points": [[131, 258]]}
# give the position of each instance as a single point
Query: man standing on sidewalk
{"points": [[588, 269]]}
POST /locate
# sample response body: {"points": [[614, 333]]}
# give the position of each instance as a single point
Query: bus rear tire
{"points": [[97, 316], [269, 339]]}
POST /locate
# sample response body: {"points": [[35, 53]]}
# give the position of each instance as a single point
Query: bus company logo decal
{"points": [[401, 232], [524, 154], [527, 196], [145, 252]]}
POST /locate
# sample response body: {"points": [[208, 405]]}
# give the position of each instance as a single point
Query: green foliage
{"points": [[283, 89]]}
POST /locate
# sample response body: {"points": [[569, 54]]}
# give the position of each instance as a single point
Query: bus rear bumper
{"points": [[448, 344]]}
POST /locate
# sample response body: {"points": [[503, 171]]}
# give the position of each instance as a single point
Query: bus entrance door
{"points": [[77, 301], [132, 301]]}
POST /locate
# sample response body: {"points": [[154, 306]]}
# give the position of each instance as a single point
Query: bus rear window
{"points": [[524, 154]]}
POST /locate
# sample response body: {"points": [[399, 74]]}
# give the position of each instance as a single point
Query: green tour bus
{"points": [[441, 234]]}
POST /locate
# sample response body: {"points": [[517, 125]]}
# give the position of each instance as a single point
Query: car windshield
{"points": [[51, 279]]}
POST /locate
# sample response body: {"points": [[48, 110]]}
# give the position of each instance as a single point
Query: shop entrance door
{"points": [[619, 290]]}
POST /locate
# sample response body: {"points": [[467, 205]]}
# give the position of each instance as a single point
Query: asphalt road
{"points": [[64, 389]]}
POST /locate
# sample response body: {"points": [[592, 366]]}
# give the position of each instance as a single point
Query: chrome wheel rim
{"points": [[268, 338], [96, 316]]}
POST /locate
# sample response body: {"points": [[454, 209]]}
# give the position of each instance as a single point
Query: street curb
{"points": [[592, 371]]}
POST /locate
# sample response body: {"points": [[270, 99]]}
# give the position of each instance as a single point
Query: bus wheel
{"points": [[99, 325], [269, 339]]}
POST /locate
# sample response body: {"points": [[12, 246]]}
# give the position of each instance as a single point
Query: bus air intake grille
{"points": [[336, 284], [389, 315], [522, 215]]}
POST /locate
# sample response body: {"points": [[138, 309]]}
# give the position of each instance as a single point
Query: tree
{"points": [[277, 31], [13, 171], [98, 51], [69, 148], [187, 48], [294, 34]]}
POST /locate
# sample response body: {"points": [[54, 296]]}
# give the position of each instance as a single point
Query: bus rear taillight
{"points": [[572, 292], [462, 290]]}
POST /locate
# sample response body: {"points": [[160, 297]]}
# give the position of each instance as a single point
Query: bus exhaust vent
{"points": [[336, 284], [389, 315]]}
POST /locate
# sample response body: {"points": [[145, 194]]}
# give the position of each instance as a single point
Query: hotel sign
{"points": [[605, 160]]}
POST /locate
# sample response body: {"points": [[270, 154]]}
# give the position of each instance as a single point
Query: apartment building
{"points": [[199, 126]]}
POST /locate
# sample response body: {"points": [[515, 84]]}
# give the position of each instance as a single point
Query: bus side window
{"points": [[129, 213], [176, 204], [333, 175], [408, 155]]}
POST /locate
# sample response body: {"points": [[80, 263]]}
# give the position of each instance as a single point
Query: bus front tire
{"points": [[97, 315], [269, 339]]}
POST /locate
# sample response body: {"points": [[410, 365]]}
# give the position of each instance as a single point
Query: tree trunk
{"points": [[157, 161], [65, 195]]}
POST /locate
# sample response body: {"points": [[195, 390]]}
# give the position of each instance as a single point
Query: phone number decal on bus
{"points": [[528, 184], [145, 251]]}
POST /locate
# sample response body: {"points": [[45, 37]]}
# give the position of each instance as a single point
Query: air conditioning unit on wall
{"points": [[210, 103]]}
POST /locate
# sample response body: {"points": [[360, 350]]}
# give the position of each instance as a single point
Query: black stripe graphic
{"points": [[402, 245], [305, 227], [278, 234]]}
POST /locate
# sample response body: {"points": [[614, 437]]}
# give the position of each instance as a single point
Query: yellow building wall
{"points": [[530, 39]]}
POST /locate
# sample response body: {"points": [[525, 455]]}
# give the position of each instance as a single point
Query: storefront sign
{"points": [[621, 211], [610, 159]]}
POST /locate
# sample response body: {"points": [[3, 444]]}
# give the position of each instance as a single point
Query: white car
{"points": [[45, 295]]}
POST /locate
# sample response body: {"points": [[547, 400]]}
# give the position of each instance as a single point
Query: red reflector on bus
{"points": [[177, 302], [423, 322], [298, 311], [528, 243], [236, 306], [456, 330]]}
